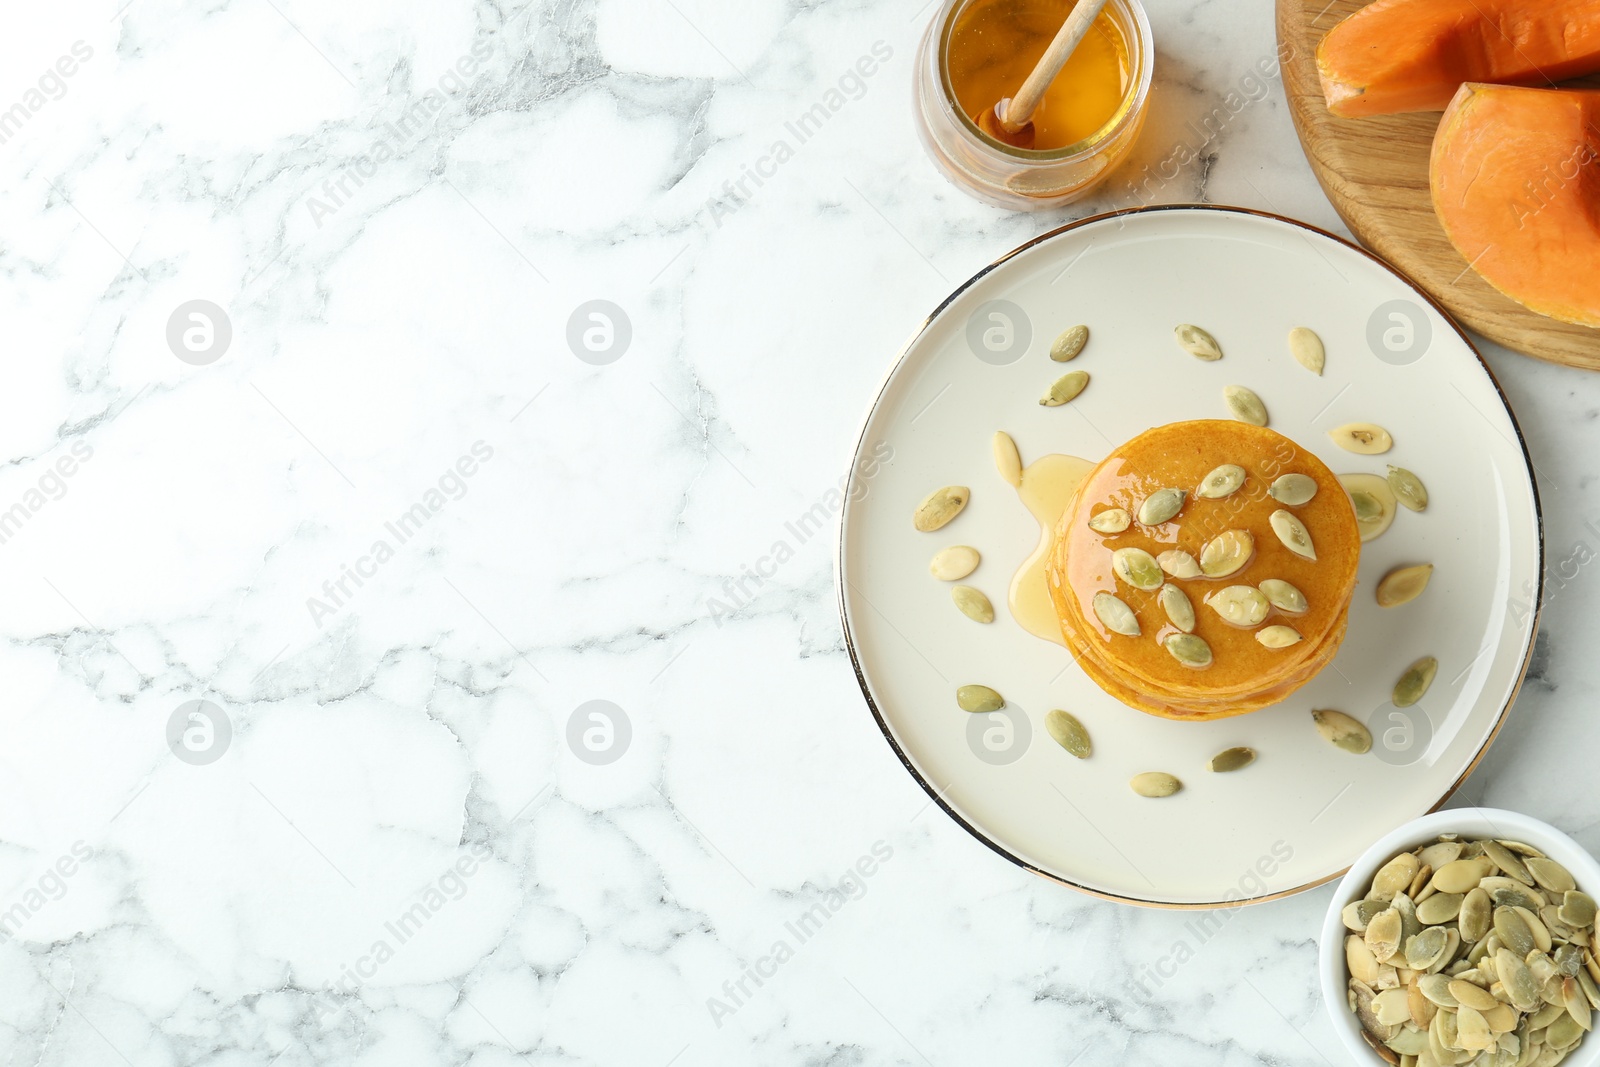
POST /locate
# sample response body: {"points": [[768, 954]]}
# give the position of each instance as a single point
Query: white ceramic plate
{"points": [[1304, 810]]}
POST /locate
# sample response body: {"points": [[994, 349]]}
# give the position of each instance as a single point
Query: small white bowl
{"points": [[1469, 823]]}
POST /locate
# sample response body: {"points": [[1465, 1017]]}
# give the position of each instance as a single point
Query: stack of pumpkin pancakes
{"points": [[1205, 569]]}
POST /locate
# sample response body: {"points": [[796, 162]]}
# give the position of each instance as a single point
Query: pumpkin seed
{"points": [[1362, 438], [1502, 1019], [1543, 968], [973, 604], [1293, 489], [1175, 602], [1443, 1033], [1577, 1003], [1409, 1042], [1472, 1029], [1245, 405], [1546, 1015], [1422, 1009], [1383, 935], [1285, 597], [1276, 637], [1476, 912], [1293, 533], [1155, 784], [1222, 482], [1437, 855], [1513, 896], [1568, 960], [1408, 488], [1423, 950], [1137, 567], [1116, 615], [1506, 860], [1189, 650], [1110, 521], [1373, 1030], [1472, 996], [1306, 348], [1517, 979], [1370, 497], [1552, 876], [1161, 506], [1342, 731], [1514, 932], [1461, 876], [1358, 913], [1419, 890], [1436, 987], [1403, 585], [954, 563], [1454, 937], [1007, 460], [1198, 343], [1543, 940], [1069, 733], [1393, 877], [1415, 682], [1179, 564], [1227, 553], [1233, 759], [1392, 1007], [1577, 909], [1591, 988], [1069, 344], [1065, 388], [979, 698], [1243, 606], [1409, 925], [1440, 908], [939, 507], [1363, 965], [1562, 1034]]}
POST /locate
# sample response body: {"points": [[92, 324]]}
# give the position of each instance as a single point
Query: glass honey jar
{"points": [[976, 52]]}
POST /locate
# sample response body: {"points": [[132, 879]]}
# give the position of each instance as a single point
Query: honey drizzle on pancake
{"points": [[1047, 487]]}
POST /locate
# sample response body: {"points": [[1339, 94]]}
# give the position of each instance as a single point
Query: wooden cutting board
{"points": [[1375, 171]]}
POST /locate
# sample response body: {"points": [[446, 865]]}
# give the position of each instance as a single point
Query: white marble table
{"points": [[397, 535]]}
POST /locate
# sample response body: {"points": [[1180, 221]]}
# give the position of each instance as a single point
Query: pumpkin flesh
{"points": [[1515, 180], [1396, 56]]}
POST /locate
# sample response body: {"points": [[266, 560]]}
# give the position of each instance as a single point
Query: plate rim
{"points": [[877, 398]]}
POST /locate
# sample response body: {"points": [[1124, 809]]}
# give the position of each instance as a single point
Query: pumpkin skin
{"points": [[1515, 179], [1396, 56]]}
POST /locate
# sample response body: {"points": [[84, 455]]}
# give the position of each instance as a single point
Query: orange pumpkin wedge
{"points": [[1515, 176], [1412, 55]]}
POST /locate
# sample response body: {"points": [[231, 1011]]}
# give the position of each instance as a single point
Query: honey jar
{"points": [[976, 52]]}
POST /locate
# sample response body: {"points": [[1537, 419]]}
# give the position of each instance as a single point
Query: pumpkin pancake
{"points": [[1243, 673], [1192, 709]]}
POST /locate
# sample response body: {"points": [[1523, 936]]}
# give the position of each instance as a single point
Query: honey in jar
{"points": [[995, 44], [978, 52]]}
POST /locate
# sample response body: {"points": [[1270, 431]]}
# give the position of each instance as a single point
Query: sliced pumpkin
{"points": [[1412, 55], [1515, 175]]}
